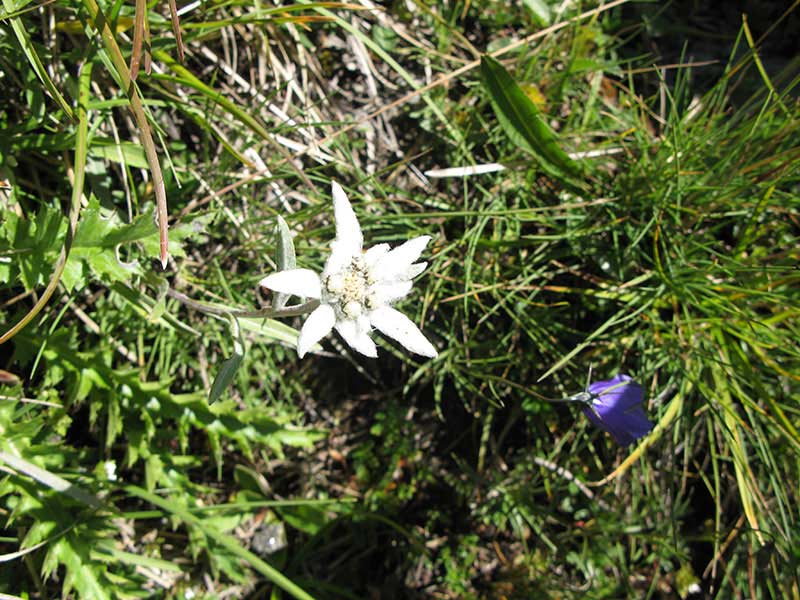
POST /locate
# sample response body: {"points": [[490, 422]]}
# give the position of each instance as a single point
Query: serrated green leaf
{"points": [[73, 553], [142, 227], [105, 229], [104, 264], [73, 275], [35, 243], [93, 226], [521, 120]]}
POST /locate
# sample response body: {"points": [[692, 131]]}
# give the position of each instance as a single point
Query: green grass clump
{"points": [[644, 222]]}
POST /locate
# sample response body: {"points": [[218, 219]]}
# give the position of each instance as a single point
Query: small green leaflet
{"points": [[228, 368], [286, 258], [521, 120]]}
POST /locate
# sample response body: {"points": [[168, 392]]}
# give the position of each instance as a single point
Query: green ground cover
{"points": [[644, 221]]}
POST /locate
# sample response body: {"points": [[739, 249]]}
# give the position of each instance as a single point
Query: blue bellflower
{"points": [[616, 407]]}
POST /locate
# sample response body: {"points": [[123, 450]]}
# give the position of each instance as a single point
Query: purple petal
{"points": [[617, 408]]}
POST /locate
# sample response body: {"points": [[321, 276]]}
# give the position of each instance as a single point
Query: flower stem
{"points": [[267, 313]]}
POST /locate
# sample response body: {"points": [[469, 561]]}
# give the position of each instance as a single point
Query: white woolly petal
{"points": [[374, 254], [386, 293], [297, 282], [396, 325], [341, 256], [357, 337], [396, 263], [348, 232], [416, 269], [317, 326]]}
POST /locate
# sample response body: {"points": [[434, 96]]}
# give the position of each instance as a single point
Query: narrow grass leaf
{"points": [[45, 477], [106, 551], [387, 58], [36, 63]]}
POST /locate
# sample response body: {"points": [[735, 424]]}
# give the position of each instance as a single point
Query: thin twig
{"points": [[266, 313]]}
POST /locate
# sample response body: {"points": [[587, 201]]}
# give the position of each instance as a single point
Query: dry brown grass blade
{"points": [[148, 59], [137, 108], [138, 37], [176, 28]]}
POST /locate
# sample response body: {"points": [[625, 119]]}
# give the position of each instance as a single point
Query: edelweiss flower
{"points": [[357, 287]]}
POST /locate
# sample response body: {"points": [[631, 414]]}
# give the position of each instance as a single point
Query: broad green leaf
{"points": [[521, 120], [308, 519], [122, 152]]}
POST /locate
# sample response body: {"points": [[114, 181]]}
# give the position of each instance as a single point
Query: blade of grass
{"points": [[36, 63], [229, 367], [439, 81], [623, 315], [176, 28], [745, 480], [54, 482], [187, 78], [767, 81]]}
